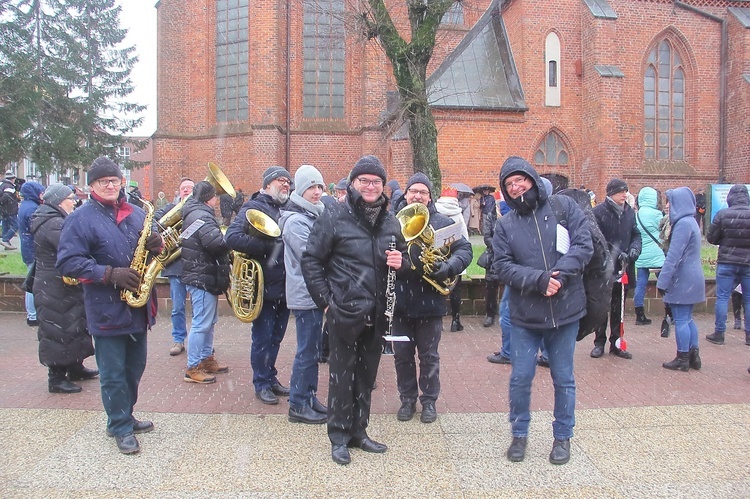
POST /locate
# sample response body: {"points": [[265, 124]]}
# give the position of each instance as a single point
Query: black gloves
{"points": [[122, 278], [633, 254], [661, 292], [153, 243], [442, 272]]}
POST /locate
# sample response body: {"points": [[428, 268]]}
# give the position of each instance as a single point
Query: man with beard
{"points": [[345, 266], [269, 327]]}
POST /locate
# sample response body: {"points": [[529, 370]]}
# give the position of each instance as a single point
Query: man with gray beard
{"points": [[270, 326]]}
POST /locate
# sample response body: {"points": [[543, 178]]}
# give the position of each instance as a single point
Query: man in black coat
{"points": [[420, 308], [616, 220], [345, 266], [8, 209]]}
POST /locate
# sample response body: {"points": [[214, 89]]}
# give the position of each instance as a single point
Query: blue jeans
{"points": [[727, 277], [30, 308], [10, 227], [121, 361], [504, 321], [641, 283], [561, 343], [685, 330], [268, 332], [178, 295], [303, 384], [205, 315]]}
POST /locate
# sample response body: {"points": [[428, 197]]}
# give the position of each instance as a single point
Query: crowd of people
{"points": [[354, 262]]}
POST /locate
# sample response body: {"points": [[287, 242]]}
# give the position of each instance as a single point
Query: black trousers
{"points": [[425, 333], [353, 369], [614, 318], [490, 301]]}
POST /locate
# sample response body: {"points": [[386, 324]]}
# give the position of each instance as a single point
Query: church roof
{"points": [[480, 72]]}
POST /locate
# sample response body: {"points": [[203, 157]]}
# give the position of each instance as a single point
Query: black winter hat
{"points": [[419, 178], [204, 191], [616, 185], [368, 165], [274, 172], [103, 167]]}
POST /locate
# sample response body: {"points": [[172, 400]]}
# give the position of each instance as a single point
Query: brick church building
{"points": [[656, 92]]}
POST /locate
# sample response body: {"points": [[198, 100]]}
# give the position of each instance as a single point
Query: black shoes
{"points": [[306, 415], [680, 363], [517, 450], [318, 407], [695, 359], [138, 427], [127, 443], [368, 445], [498, 358], [35, 322], [597, 352], [619, 353], [340, 454], [456, 324], [267, 396], [716, 338], [489, 321], [280, 390], [640, 317], [429, 414], [63, 386], [406, 412], [81, 373], [560, 452], [542, 362]]}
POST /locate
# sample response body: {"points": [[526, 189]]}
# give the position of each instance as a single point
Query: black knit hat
{"points": [[274, 172], [204, 191], [368, 165], [616, 185], [103, 167], [420, 178]]}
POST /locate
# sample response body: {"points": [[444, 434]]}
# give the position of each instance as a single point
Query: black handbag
{"points": [[28, 283], [484, 260]]}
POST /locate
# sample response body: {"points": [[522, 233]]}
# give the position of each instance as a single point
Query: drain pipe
{"points": [[723, 58], [288, 138]]}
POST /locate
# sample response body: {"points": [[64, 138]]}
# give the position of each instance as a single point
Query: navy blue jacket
{"points": [[92, 239], [730, 228], [31, 193], [268, 251]]}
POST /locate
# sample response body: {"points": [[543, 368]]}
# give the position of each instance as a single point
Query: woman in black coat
{"points": [[64, 341]]}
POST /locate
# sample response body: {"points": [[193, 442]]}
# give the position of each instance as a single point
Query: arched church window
{"points": [[551, 151], [664, 104]]}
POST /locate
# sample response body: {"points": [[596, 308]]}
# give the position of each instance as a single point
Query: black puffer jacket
{"points": [[525, 246], [205, 263], [488, 232], [415, 297], [621, 233], [63, 335], [730, 228], [269, 251], [338, 265]]}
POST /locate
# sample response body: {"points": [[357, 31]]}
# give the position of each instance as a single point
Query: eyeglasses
{"points": [[415, 192], [375, 183], [512, 183], [283, 181], [71, 198], [103, 182]]}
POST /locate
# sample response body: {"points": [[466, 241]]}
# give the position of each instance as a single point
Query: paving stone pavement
{"points": [[641, 431]]}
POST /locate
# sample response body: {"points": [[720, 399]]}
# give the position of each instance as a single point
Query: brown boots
{"points": [[204, 372]]}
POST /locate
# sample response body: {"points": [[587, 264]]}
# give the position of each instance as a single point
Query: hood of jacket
{"points": [[32, 191], [681, 203], [515, 165], [448, 206], [738, 196], [648, 198]]}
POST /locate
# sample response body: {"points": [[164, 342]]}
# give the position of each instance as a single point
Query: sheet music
{"points": [[447, 235], [563, 240], [192, 229]]}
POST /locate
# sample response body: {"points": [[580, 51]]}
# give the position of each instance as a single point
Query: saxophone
{"points": [[140, 264]]}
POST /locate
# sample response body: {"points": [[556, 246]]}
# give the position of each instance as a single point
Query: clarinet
{"points": [[390, 302]]}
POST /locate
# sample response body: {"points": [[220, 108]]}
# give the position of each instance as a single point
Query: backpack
{"points": [[597, 274]]}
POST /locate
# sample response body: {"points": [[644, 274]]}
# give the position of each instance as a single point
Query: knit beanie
{"points": [[103, 167], [616, 185], [204, 191], [306, 177], [56, 194], [420, 178], [274, 172], [342, 184], [368, 165]]}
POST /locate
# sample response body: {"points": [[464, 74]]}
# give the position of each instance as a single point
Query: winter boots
{"points": [[456, 323], [695, 359], [716, 338], [489, 321], [58, 381], [680, 363], [640, 317]]}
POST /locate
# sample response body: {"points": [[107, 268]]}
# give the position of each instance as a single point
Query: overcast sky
{"points": [[139, 18]]}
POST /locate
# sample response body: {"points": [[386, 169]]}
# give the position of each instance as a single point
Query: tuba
{"points": [[416, 229], [170, 228], [246, 278]]}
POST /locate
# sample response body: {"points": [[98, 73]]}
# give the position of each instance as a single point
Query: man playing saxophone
{"points": [[269, 327], [97, 244], [420, 308]]}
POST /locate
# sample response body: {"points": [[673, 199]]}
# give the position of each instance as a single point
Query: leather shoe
{"points": [[620, 353], [406, 411], [267, 396], [306, 415], [368, 445], [340, 454], [127, 444], [138, 427], [560, 452], [498, 358], [429, 414], [280, 390], [488, 321], [318, 407], [517, 450], [81, 373], [597, 351]]}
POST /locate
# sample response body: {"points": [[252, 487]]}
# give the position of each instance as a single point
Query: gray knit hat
{"points": [[306, 177], [204, 191], [368, 165], [420, 178], [56, 194], [103, 167], [274, 172]]}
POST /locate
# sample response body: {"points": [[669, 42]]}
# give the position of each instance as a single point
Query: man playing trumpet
{"points": [[420, 308]]}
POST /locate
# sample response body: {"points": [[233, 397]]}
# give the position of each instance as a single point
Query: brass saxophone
{"points": [[140, 263]]}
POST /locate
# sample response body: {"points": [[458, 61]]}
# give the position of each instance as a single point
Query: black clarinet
{"points": [[390, 302]]}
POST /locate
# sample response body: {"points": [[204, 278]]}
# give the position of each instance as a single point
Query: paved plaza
{"points": [[641, 431]]}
